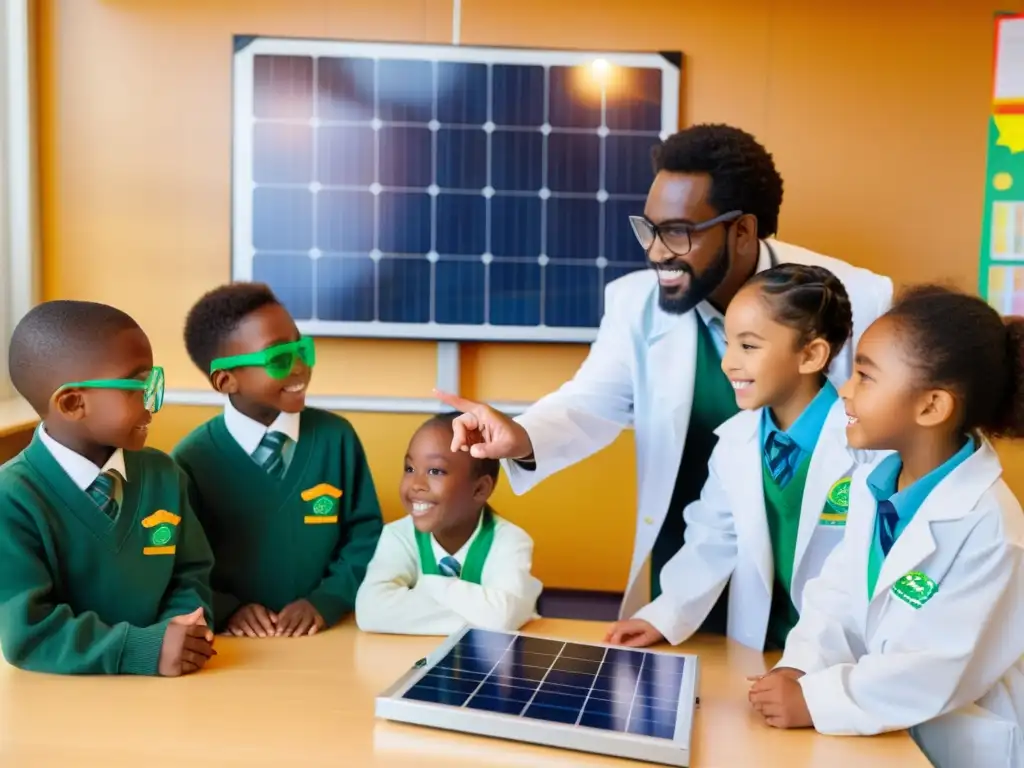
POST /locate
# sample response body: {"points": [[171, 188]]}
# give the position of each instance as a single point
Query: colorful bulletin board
{"points": [[1002, 243]]}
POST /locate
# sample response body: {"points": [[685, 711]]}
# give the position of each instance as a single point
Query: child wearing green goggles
{"points": [[295, 479], [104, 568]]}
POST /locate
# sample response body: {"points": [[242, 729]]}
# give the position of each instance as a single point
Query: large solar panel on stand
{"points": [[442, 192], [615, 701]]}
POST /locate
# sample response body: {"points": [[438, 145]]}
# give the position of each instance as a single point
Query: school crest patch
{"points": [[915, 589], [837, 503], [322, 504], [161, 533]]}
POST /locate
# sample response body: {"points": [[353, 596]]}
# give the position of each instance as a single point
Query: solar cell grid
{"points": [[591, 686], [442, 193]]}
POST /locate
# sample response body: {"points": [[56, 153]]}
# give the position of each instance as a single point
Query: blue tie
{"points": [[449, 566], [777, 449], [887, 520], [269, 454], [102, 492]]}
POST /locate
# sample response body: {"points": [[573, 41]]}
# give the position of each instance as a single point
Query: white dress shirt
{"points": [[83, 472], [248, 433]]}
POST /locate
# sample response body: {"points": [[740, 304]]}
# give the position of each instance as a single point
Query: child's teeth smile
{"points": [[421, 507], [294, 388], [741, 385]]}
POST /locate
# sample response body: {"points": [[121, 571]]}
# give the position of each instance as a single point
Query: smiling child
{"points": [[774, 504], [283, 491], [104, 568], [452, 560]]}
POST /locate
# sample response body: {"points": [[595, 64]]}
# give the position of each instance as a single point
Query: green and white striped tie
{"points": [[269, 454], [102, 492]]}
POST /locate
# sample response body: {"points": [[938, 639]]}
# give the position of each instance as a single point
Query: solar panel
{"points": [[593, 698], [443, 192]]}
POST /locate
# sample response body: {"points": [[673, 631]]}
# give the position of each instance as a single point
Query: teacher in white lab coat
{"points": [[655, 365]]}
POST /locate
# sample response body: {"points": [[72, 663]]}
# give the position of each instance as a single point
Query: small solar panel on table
{"points": [[612, 689]]}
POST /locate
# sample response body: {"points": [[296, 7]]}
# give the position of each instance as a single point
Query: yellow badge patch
{"points": [[163, 529], [323, 504]]}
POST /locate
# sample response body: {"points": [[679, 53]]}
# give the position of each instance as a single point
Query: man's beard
{"points": [[700, 286]]}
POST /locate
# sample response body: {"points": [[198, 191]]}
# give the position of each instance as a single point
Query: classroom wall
{"points": [[876, 114], [12, 443]]}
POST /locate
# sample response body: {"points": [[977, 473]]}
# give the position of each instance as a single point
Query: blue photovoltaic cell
{"points": [[611, 689], [345, 289], [458, 193]]}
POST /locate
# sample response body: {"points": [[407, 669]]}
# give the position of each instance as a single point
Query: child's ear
{"points": [[70, 404], [483, 489], [224, 382], [814, 357], [936, 407]]}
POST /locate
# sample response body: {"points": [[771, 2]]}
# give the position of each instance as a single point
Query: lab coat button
{"points": [[649, 520]]}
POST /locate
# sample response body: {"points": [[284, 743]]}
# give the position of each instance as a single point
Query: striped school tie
{"points": [[778, 448], [887, 520], [269, 454], [449, 566], [102, 492]]}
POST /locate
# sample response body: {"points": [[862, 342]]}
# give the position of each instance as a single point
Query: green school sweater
{"points": [[81, 594], [782, 506], [714, 401], [309, 534]]}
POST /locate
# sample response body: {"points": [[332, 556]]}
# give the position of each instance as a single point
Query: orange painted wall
{"points": [[876, 113]]}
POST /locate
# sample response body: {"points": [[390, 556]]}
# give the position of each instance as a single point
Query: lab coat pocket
{"points": [[971, 737]]}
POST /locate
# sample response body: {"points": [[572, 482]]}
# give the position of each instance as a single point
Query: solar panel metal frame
{"points": [[242, 249], [390, 705]]}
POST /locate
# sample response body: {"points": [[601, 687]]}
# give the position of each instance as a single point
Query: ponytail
{"points": [[959, 343], [1010, 421]]}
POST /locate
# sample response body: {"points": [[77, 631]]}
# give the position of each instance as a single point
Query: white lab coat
{"points": [[395, 597], [727, 533], [640, 374], [951, 669]]}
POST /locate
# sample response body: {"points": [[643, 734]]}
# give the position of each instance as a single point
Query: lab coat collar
{"points": [[830, 451], [955, 497], [807, 427], [746, 425]]}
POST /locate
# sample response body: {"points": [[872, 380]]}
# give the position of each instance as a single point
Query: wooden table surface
{"points": [[310, 702]]}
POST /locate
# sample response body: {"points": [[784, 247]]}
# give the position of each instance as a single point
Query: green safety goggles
{"points": [[277, 360], [152, 387]]}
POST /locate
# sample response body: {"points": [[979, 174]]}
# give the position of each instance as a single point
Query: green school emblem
{"points": [[161, 535], [839, 495], [837, 502], [323, 503], [915, 589], [323, 506], [161, 529]]}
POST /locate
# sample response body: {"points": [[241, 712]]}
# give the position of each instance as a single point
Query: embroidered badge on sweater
{"points": [[163, 530], [323, 504], [837, 503], [915, 589]]}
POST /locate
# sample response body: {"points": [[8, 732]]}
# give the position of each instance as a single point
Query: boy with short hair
{"points": [[283, 491], [452, 560], [103, 567]]}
